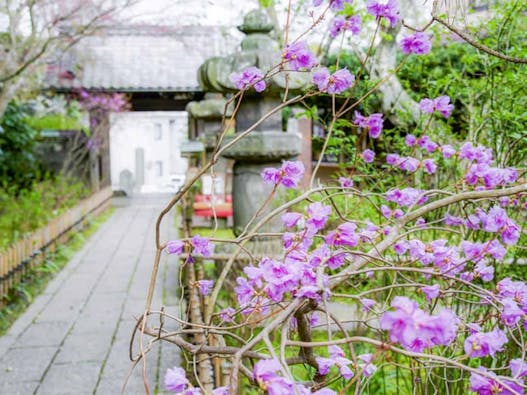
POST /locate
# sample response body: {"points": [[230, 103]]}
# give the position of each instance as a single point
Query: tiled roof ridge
{"points": [[157, 30]]}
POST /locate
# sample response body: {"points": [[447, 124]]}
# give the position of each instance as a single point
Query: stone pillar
{"points": [[303, 126], [267, 145], [205, 123]]}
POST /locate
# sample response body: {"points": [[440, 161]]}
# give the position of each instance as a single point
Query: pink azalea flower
{"points": [[251, 76], [334, 83], [299, 57]]}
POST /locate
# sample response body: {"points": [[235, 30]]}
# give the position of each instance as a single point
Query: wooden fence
{"points": [[29, 253]]}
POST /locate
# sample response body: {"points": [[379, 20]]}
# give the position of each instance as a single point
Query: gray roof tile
{"points": [[141, 59]]}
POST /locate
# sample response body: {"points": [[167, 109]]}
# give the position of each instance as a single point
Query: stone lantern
{"points": [[267, 145]]}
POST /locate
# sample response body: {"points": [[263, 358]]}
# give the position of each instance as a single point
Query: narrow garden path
{"points": [[74, 338]]}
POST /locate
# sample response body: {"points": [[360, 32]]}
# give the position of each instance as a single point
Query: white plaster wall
{"points": [[132, 130]]}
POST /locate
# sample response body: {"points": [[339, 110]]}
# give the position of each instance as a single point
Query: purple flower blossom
{"points": [[265, 374], [511, 313], [290, 220], [429, 166], [491, 177], [440, 104], [299, 56], [318, 215], [365, 363], [289, 174], [292, 173], [338, 5], [374, 123], [518, 368], [201, 246], [517, 290], [334, 83], [344, 235], [205, 286], [448, 151], [367, 304], [483, 271], [420, 222], [244, 291], [417, 330], [408, 164], [481, 344], [176, 380], [340, 23], [175, 247], [479, 154], [251, 76], [194, 391], [336, 358], [427, 144], [406, 197], [410, 140], [345, 182], [388, 10], [392, 159], [452, 220], [400, 247], [417, 43], [489, 385], [227, 314], [368, 155], [431, 291]]}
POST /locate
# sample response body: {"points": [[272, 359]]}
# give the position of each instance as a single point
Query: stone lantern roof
{"points": [[258, 49]]}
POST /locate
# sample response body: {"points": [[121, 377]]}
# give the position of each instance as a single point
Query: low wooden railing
{"points": [[29, 253]]}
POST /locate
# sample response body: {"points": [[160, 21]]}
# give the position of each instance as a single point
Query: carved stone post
{"points": [[267, 145]]}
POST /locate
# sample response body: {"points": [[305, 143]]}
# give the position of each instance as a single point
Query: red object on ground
{"points": [[203, 207]]}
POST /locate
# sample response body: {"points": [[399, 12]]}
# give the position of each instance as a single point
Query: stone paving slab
{"points": [[26, 364], [74, 338]]}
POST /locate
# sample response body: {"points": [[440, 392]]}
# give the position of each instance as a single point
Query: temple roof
{"points": [[140, 59]]}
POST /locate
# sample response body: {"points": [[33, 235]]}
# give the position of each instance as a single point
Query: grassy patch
{"points": [[35, 283], [220, 233]]}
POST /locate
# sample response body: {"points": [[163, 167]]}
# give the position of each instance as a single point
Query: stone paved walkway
{"points": [[74, 338]]}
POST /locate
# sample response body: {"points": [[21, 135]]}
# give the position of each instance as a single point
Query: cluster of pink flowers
{"points": [[415, 329], [115, 102], [513, 297], [417, 43], [481, 344], [301, 274], [298, 56], [176, 381], [388, 10], [440, 104], [406, 197], [199, 246], [336, 5], [495, 220], [266, 374], [373, 123], [337, 358], [485, 385], [335, 83], [342, 24], [480, 170], [410, 164], [251, 76], [289, 174]]}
